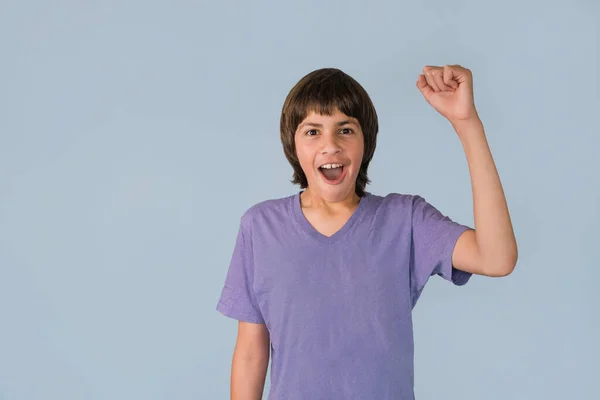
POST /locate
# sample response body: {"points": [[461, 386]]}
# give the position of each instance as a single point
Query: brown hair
{"points": [[323, 91]]}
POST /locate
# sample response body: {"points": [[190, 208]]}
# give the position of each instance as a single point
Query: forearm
{"points": [[248, 376], [493, 228]]}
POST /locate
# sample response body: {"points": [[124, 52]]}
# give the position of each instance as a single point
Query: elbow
{"points": [[502, 267], [500, 272]]}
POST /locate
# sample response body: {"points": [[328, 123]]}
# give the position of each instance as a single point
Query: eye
{"points": [[346, 131], [310, 132]]}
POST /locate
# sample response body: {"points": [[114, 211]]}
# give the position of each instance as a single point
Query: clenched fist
{"points": [[449, 90]]}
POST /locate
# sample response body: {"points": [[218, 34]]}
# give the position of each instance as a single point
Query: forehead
{"points": [[336, 117]]}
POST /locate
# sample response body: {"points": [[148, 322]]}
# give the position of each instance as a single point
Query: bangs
{"points": [[325, 95]]}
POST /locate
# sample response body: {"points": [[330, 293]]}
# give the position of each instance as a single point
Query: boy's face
{"points": [[330, 150]]}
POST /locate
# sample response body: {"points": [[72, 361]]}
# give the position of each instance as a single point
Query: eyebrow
{"points": [[341, 123]]}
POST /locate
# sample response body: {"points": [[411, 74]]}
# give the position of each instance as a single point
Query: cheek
{"points": [[304, 157], [357, 152]]}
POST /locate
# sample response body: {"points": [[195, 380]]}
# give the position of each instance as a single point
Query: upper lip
{"points": [[332, 162]]}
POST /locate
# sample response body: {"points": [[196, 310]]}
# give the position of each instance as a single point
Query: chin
{"points": [[334, 193]]}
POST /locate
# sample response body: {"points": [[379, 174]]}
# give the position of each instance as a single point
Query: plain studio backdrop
{"points": [[134, 134]]}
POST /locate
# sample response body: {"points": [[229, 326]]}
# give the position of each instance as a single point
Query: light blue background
{"points": [[133, 135]]}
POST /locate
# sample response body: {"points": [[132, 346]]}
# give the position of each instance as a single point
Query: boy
{"points": [[326, 279]]}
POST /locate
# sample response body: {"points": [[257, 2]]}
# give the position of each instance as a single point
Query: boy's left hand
{"points": [[449, 90]]}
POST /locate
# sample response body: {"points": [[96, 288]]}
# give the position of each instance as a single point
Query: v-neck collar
{"points": [[340, 234]]}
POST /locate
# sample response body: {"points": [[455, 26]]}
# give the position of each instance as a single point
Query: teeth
{"points": [[329, 166]]}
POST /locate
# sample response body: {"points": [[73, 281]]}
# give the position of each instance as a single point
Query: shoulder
{"points": [[394, 202], [275, 209], [403, 206]]}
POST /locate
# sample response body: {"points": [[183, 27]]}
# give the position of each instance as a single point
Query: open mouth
{"points": [[333, 174]]}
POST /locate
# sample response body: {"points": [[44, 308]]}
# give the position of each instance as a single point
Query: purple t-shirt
{"points": [[338, 308]]}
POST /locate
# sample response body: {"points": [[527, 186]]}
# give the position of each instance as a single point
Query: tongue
{"points": [[332, 174]]}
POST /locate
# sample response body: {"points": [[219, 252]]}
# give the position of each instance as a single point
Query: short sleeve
{"points": [[237, 299], [434, 237]]}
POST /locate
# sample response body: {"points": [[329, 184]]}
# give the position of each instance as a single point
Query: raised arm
{"points": [[490, 249]]}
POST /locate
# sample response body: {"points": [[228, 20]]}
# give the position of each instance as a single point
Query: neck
{"points": [[310, 199]]}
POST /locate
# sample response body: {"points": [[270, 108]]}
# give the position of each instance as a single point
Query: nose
{"points": [[330, 145]]}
